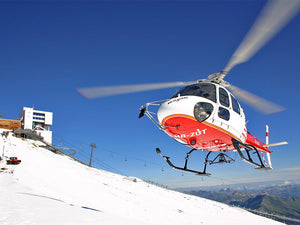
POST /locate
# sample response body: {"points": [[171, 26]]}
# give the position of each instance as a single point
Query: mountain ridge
{"points": [[278, 201]]}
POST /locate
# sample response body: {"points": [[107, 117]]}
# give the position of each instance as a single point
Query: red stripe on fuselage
{"points": [[198, 135]]}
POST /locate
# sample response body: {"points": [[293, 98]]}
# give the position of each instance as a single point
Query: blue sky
{"points": [[49, 48]]}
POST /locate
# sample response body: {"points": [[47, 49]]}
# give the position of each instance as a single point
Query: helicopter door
{"points": [[230, 114]]}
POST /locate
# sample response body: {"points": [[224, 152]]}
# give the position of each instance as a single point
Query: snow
{"points": [[48, 188]]}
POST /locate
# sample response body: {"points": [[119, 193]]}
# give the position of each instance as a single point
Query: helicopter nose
{"points": [[203, 110]]}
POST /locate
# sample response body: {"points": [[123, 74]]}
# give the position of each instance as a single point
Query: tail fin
{"points": [[271, 145], [267, 142]]}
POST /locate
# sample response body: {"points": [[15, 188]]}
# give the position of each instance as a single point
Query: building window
{"points": [[38, 118], [39, 114]]}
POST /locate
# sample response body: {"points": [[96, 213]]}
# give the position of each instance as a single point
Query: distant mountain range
{"points": [[280, 202], [282, 191]]}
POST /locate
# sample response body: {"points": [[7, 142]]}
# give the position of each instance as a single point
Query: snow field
{"points": [[47, 188]]}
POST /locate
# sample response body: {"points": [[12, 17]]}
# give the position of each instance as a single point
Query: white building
{"points": [[37, 120]]}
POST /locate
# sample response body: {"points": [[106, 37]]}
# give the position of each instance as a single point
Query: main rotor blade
{"points": [[95, 92], [273, 17], [256, 102]]}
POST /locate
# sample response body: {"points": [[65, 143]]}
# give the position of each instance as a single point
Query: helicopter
{"points": [[205, 114]]}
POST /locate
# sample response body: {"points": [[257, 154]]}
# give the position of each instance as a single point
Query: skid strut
{"points": [[240, 146], [200, 173]]}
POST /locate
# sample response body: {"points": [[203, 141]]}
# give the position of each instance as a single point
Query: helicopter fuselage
{"points": [[205, 116]]}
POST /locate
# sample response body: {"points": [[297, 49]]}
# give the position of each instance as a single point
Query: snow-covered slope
{"points": [[47, 188]]}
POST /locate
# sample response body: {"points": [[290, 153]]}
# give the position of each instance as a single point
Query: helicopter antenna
{"points": [[271, 20]]}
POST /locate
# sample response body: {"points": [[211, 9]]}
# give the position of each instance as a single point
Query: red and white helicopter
{"points": [[204, 114]]}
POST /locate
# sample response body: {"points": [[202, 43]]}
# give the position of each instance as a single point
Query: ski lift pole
{"points": [[4, 142], [93, 145]]}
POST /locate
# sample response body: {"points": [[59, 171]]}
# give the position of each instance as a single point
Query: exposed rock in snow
{"points": [[48, 188]]}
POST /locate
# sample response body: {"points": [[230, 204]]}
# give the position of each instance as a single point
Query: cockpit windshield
{"points": [[205, 90]]}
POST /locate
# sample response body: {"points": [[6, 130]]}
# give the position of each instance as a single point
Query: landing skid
{"points": [[239, 146], [220, 158]]}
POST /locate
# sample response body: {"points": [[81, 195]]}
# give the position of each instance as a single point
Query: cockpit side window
{"points": [[223, 97], [224, 113], [205, 90], [235, 105]]}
